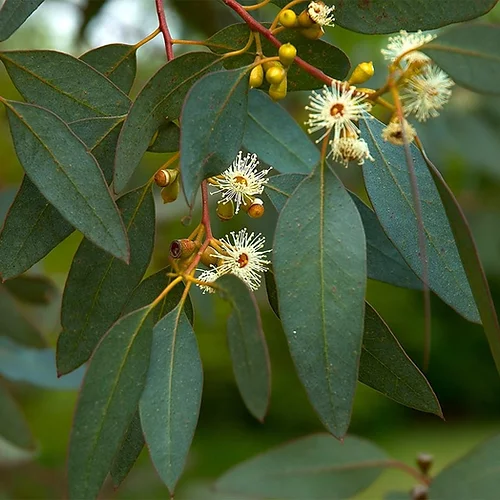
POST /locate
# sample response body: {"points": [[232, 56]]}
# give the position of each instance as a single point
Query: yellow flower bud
{"points": [[255, 209], [256, 76], [225, 210], [165, 177], [362, 72], [270, 64], [208, 258], [275, 75], [287, 53], [288, 19], [278, 92], [171, 192], [304, 20], [314, 32]]}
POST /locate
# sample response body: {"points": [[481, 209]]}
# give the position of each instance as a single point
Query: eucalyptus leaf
{"points": [[32, 289], [319, 260], [13, 13], [170, 404], [60, 166], [212, 126], [99, 285], [167, 140], [247, 345]]}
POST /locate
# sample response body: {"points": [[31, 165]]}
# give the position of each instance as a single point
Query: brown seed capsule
{"points": [[171, 192], [287, 53], [304, 20], [256, 76], [182, 248], [362, 72], [225, 210], [278, 92], [424, 462], [420, 492], [165, 177], [275, 75], [256, 209], [288, 19], [208, 258]]}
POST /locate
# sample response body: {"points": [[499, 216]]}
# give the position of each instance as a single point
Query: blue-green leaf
{"points": [[13, 13]]}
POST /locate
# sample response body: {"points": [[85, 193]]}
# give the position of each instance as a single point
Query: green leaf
{"points": [[58, 163], [320, 268], [388, 16], [158, 102], [315, 467], [274, 136], [473, 476], [272, 292], [129, 451], [388, 186], [167, 140], [247, 345], [170, 404], [212, 126], [33, 227], [14, 325], [32, 289], [117, 62], [63, 84], [384, 262], [13, 425], [472, 263], [385, 367], [324, 56], [99, 285], [13, 14], [469, 54], [108, 401]]}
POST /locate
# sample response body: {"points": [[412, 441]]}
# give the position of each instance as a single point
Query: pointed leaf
{"points": [[469, 54], [62, 83], [315, 467], [473, 476], [170, 404], [274, 136], [384, 262], [247, 345], [99, 285], [212, 126], [58, 163], [117, 62], [32, 289], [158, 102], [108, 400], [13, 13], [167, 140], [320, 268], [385, 367], [388, 186]]}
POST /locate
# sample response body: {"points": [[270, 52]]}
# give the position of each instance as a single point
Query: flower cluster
{"points": [[321, 14], [240, 254]]}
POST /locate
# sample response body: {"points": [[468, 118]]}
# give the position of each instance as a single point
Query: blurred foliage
{"points": [[463, 142]]}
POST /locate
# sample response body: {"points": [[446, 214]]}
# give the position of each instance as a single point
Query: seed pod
{"points": [[424, 462], [256, 76], [182, 248], [314, 32], [278, 92], [165, 177], [304, 20], [256, 209], [287, 53], [420, 492], [225, 210], [171, 192], [275, 75], [288, 19], [362, 72], [208, 258]]}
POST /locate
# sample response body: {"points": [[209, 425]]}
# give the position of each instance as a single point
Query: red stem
{"points": [[205, 217], [256, 26], [164, 29]]}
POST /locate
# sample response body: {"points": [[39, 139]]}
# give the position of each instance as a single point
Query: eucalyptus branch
{"points": [[164, 29]]}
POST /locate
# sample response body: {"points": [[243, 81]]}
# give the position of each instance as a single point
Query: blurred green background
{"points": [[464, 143]]}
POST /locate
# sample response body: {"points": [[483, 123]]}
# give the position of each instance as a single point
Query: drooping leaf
{"points": [[117, 62], [99, 285], [13, 426], [386, 367], [158, 102], [324, 56], [388, 16], [247, 345], [34, 366], [388, 186], [469, 54], [473, 476], [274, 136], [129, 451], [170, 404], [14, 325], [167, 140], [32, 289], [472, 263], [272, 291], [315, 467], [319, 257], [63, 84], [108, 401], [13, 13], [33, 227], [384, 262], [58, 163], [212, 126]]}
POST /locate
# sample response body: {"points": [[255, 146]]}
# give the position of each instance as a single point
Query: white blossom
{"points": [[393, 133], [348, 149], [208, 276], [321, 14], [405, 44]]}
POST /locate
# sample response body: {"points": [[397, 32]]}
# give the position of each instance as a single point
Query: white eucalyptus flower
{"points": [[336, 108], [393, 133], [348, 149], [321, 14], [425, 94], [405, 45], [208, 276], [241, 181]]}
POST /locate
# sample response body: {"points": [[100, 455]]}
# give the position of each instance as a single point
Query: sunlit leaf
{"points": [[13, 14]]}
